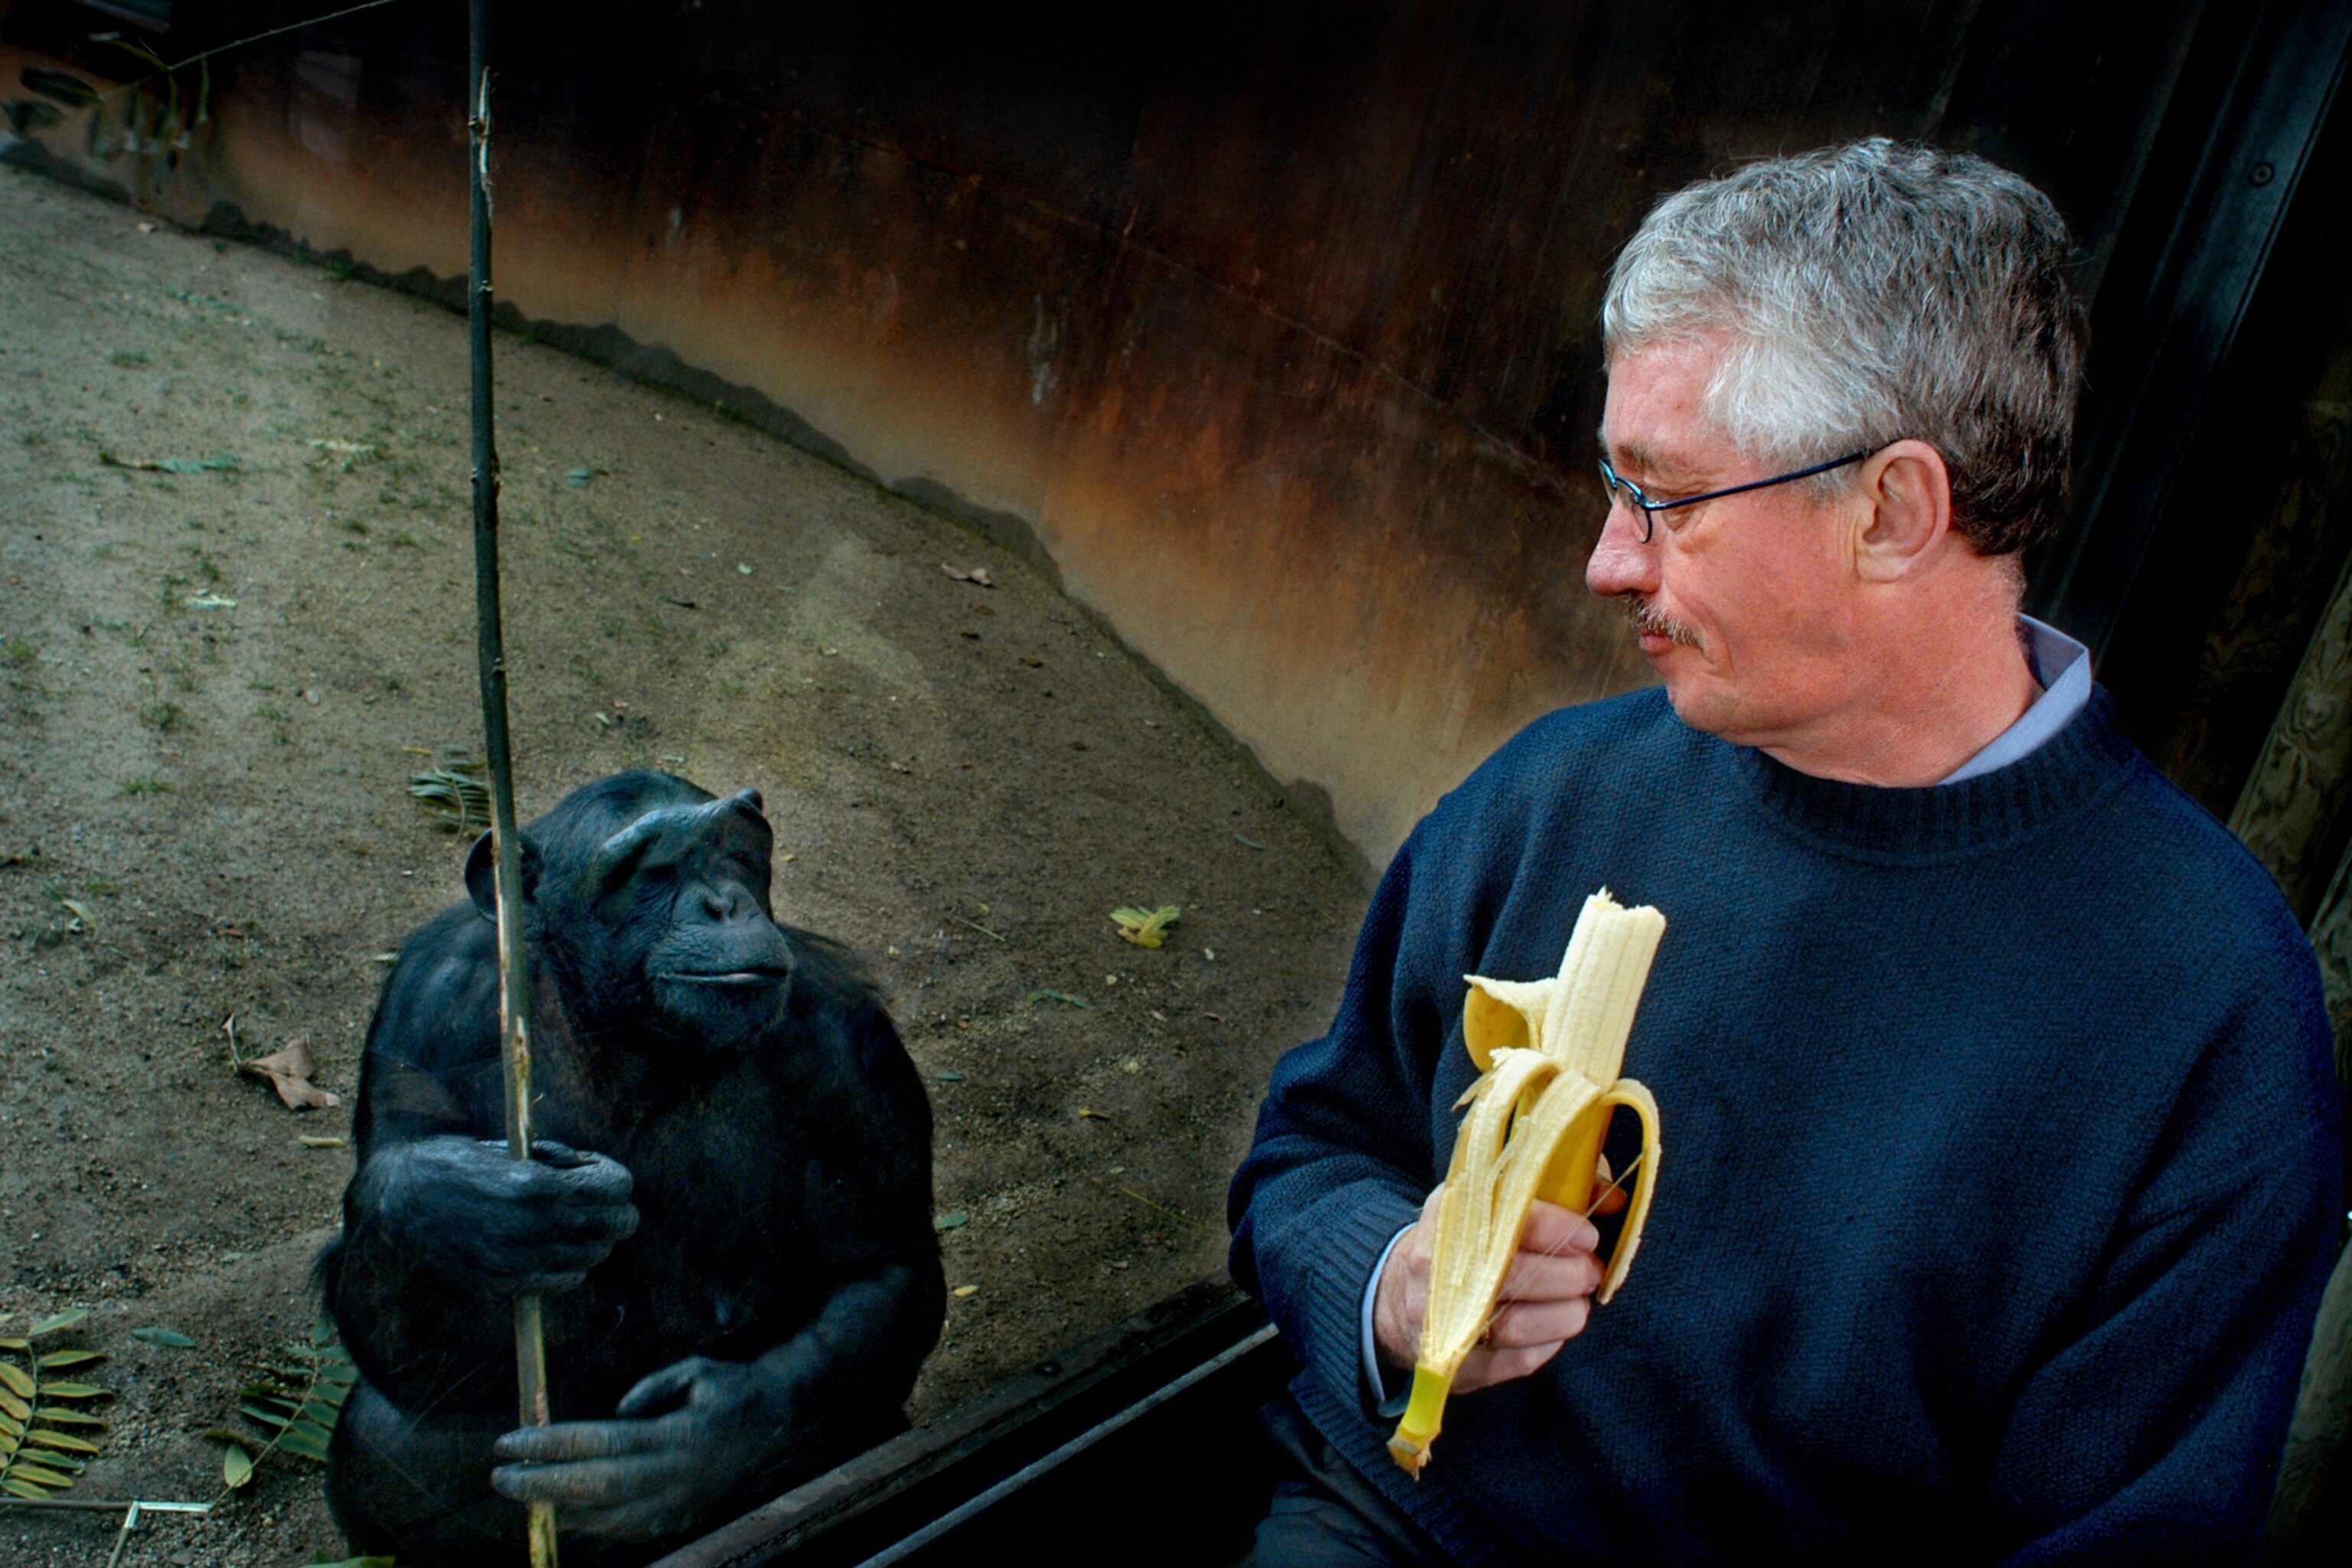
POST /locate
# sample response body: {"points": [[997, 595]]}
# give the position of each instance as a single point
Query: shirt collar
{"points": [[2062, 667]]}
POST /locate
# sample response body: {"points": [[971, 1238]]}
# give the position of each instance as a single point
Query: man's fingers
{"points": [[1484, 1367], [1543, 1277], [1553, 1229], [575, 1440], [1528, 1325]]}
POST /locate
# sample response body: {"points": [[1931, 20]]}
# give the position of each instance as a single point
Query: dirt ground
{"points": [[220, 675]]}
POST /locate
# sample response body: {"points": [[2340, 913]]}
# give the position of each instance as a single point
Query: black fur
{"points": [[734, 1193]]}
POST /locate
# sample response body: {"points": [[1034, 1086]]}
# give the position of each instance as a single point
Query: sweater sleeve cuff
{"points": [[1357, 1225]]}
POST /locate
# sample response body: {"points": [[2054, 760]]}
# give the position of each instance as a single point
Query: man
{"points": [[2002, 1162]]}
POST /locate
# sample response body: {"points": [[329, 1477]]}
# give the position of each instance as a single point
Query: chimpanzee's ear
{"points": [[482, 874]]}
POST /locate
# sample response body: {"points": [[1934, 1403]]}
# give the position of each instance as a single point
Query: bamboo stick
{"points": [[514, 983]]}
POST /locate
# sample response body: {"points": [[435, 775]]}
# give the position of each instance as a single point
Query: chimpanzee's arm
{"points": [[870, 1223], [440, 1226]]}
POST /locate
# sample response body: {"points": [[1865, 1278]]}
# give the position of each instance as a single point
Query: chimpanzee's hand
{"points": [[507, 1226], [650, 1475]]}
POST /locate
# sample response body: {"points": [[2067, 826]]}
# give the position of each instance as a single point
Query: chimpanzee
{"points": [[727, 1211]]}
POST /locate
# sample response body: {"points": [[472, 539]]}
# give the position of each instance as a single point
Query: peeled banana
{"points": [[1548, 1052]]}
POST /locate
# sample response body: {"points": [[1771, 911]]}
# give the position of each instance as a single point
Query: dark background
{"points": [[1273, 326]]}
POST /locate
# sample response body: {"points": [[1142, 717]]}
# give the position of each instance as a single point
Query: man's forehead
{"points": [[1654, 418], [1631, 455]]}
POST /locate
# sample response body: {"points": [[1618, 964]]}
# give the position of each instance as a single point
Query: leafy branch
{"points": [[296, 1397], [156, 128], [43, 1442]]}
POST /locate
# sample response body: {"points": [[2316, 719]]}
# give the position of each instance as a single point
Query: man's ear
{"points": [[482, 874], [1908, 493]]}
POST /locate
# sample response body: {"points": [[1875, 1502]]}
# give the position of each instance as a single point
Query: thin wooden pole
{"points": [[514, 980]]}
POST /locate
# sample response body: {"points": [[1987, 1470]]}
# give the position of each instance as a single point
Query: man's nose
{"points": [[1620, 562]]}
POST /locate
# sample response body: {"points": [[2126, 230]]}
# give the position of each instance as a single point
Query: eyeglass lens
{"points": [[1611, 485]]}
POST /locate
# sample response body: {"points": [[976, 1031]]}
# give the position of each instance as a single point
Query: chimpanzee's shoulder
{"points": [[827, 977], [439, 1007], [836, 1009]]}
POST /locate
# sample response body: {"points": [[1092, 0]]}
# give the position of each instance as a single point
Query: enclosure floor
{"points": [[219, 681]]}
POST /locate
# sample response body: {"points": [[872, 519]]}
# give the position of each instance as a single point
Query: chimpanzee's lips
{"points": [[732, 978]]}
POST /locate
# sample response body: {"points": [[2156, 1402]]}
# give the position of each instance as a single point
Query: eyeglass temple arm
{"points": [[1648, 505]]}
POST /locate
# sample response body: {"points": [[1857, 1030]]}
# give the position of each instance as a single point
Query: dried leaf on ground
{"points": [[290, 1070], [978, 574], [1145, 927]]}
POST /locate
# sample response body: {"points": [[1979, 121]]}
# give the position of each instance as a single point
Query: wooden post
{"points": [[514, 979]]}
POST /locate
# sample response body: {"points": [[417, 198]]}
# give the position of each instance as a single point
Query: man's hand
{"points": [[1546, 1298], [657, 1471]]}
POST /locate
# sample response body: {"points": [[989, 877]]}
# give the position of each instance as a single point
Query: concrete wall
{"points": [[1271, 324]]}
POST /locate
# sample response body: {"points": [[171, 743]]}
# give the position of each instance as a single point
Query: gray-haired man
{"points": [[2003, 1167]]}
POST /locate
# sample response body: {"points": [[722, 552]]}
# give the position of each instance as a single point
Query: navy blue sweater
{"points": [[2000, 1166]]}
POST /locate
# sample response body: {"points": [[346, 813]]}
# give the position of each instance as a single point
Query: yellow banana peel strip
{"points": [[1549, 1051]]}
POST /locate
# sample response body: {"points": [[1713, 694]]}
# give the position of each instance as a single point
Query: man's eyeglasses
{"points": [[1620, 487]]}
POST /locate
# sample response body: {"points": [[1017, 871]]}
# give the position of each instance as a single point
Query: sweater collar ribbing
{"points": [[2064, 773]]}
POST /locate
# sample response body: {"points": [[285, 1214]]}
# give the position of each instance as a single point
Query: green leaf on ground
{"points": [[237, 1466], [172, 1336], [1145, 927]]}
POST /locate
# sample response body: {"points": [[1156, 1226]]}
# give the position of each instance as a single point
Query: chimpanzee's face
{"points": [[682, 895]]}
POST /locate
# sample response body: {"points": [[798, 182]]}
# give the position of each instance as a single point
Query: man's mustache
{"points": [[1644, 616]]}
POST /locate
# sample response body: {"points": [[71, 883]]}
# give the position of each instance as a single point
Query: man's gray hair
{"points": [[1872, 292]]}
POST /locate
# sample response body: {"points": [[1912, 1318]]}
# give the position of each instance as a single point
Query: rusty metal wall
{"points": [[1272, 324]]}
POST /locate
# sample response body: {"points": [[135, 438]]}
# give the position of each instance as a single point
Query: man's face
{"points": [[1744, 606]]}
